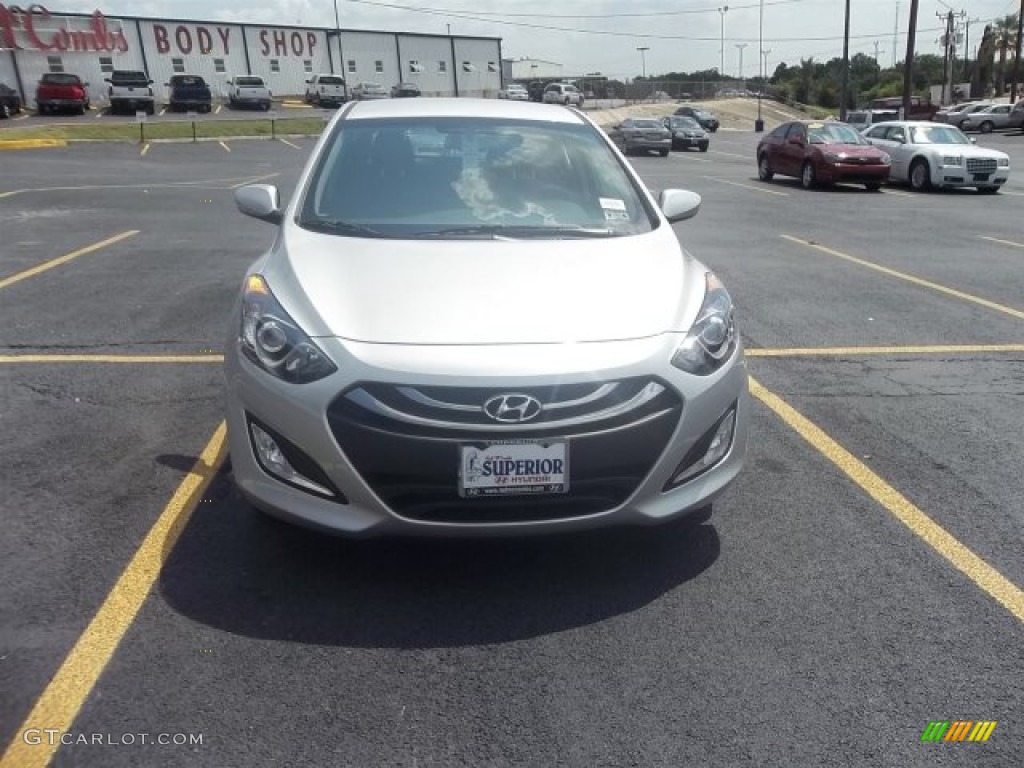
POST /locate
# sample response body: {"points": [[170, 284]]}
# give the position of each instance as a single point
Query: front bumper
{"points": [[652, 145], [689, 141], [399, 476], [856, 173]]}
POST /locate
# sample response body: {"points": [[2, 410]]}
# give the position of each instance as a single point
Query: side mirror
{"points": [[149, 82], [973, 140], [900, 139], [679, 204], [797, 141], [261, 201]]}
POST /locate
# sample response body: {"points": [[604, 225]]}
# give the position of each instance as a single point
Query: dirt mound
{"points": [[736, 114]]}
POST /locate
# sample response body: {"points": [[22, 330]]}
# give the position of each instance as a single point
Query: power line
{"points": [[646, 14], [608, 33]]}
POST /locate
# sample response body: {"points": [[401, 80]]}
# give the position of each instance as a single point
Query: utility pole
{"points": [[895, 35], [844, 89], [643, 59], [947, 42], [877, 51], [761, 62], [1016, 59], [721, 13], [908, 65], [740, 47]]}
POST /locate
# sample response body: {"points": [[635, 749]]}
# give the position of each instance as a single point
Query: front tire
{"points": [[663, 152], [265, 106], [873, 186], [808, 178], [703, 147], [764, 170], [920, 176]]}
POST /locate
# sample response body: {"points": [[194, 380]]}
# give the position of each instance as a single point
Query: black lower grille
{"points": [[414, 469]]}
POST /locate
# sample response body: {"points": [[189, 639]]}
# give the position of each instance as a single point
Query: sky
{"points": [[681, 35]]}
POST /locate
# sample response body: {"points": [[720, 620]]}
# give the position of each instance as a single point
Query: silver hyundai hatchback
{"points": [[476, 320]]}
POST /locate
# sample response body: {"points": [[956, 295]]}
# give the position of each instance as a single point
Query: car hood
{"points": [[485, 291], [851, 150], [965, 150]]}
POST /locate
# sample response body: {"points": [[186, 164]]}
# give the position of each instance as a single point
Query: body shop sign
{"points": [[31, 28], [183, 39]]}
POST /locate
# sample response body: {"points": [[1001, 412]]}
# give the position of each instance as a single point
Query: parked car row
{"points": [[924, 154]]}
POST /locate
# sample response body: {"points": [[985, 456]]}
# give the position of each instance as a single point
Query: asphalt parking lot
{"points": [[861, 579]]}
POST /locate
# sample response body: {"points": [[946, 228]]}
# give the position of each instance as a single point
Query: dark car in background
{"points": [[405, 90], [535, 89], [61, 91], [708, 121], [822, 153], [686, 133], [188, 92], [10, 101], [641, 134]]}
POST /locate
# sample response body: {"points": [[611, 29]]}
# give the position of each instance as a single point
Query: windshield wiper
{"points": [[499, 232], [338, 227]]}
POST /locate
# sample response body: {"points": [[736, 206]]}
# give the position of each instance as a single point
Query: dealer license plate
{"points": [[513, 468]]}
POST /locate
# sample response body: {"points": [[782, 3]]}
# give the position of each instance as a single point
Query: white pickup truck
{"points": [[248, 91]]}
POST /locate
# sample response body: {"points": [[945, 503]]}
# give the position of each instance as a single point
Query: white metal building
{"points": [[531, 69], [34, 41]]}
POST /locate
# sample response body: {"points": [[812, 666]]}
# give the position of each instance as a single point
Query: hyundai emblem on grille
{"points": [[512, 408]]}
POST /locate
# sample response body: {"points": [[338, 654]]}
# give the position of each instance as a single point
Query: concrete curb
{"points": [[31, 143]]}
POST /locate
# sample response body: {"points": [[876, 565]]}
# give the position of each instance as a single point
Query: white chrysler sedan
{"points": [[928, 154], [503, 337]]}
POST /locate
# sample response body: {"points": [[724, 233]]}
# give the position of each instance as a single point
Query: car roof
{"points": [[452, 107]]}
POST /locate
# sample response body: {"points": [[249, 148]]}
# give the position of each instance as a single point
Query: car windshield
{"points": [[61, 79], [937, 134], [187, 80], [685, 123], [331, 80], [833, 133], [128, 77], [474, 178], [646, 125], [252, 81]]}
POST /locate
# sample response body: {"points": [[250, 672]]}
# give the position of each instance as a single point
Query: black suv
{"points": [[706, 119], [189, 92], [10, 101]]}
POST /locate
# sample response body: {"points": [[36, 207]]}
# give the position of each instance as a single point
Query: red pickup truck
{"points": [[58, 90], [919, 110]]}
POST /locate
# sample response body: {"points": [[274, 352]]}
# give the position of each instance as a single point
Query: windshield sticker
{"points": [[616, 215], [612, 204]]}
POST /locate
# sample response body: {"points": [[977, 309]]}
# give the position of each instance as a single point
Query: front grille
{"points": [[981, 165], [405, 443]]}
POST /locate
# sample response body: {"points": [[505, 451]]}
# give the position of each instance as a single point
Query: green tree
{"points": [[1006, 43]]}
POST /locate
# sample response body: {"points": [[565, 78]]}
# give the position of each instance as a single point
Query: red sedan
{"points": [[821, 153]]}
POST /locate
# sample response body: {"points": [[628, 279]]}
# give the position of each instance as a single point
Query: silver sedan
{"points": [[504, 337]]}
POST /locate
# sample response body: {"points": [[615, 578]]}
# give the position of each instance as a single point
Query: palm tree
{"points": [[1006, 42]]}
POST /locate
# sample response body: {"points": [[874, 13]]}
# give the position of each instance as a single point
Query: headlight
{"points": [[952, 160], [1004, 162], [270, 338], [712, 339], [832, 157], [886, 160]]}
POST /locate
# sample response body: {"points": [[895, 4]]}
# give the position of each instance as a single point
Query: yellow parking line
{"points": [[218, 109], [1002, 242], [690, 156], [154, 185], [46, 265], [99, 114], [163, 111], [22, 117], [987, 578], [59, 704], [890, 191], [747, 186], [1008, 192], [909, 278], [937, 349], [226, 147], [285, 141], [12, 193], [127, 359], [145, 149]]}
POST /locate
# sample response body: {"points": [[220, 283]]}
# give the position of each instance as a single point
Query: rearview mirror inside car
{"points": [[261, 201], [679, 204]]}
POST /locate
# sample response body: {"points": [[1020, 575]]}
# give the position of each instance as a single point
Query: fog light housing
{"points": [[706, 452], [285, 462]]}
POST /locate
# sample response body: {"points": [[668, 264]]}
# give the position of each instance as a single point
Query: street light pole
{"points": [[740, 47], [762, 64], [721, 12], [643, 59], [844, 88]]}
